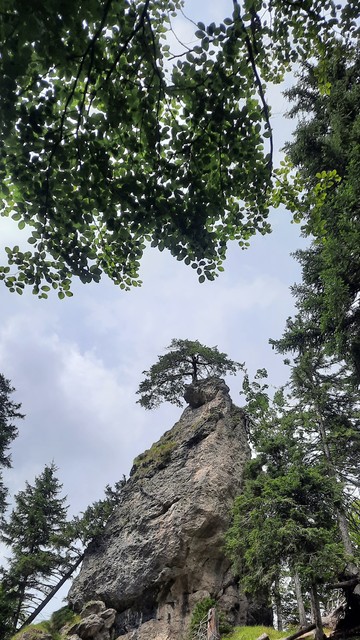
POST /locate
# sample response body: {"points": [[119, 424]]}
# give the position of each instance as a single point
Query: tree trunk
{"points": [[212, 625], [21, 595], [299, 600], [298, 634], [277, 598], [195, 369], [315, 607], [344, 531], [53, 591], [341, 518]]}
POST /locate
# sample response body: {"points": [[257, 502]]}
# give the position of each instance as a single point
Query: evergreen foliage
{"points": [[327, 142], [9, 411], [292, 514], [90, 523], [187, 360], [8, 603], [45, 547], [199, 618], [35, 535], [111, 139]]}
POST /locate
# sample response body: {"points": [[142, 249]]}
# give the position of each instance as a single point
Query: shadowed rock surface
{"points": [[162, 552]]}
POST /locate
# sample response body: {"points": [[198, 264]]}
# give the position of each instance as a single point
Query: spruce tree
{"points": [[35, 534], [327, 139], [286, 518], [9, 411], [77, 535]]}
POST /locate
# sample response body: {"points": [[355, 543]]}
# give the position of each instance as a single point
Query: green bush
{"points": [[51, 627], [62, 617], [199, 614]]}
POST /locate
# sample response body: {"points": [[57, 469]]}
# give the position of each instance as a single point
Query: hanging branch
{"points": [[251, 53]]}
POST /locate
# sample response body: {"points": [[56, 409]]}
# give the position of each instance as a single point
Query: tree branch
{"points": [[46, 600], [265, 108]]}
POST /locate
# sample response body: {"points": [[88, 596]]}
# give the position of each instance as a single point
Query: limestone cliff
{"points": [[162, 551]]}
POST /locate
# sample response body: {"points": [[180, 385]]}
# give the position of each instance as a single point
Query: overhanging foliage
{"points": [[111, 139]]}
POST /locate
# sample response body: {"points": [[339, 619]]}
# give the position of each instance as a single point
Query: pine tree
{"points": [[86, 527], [286, 516], [328, 140], [186, 361], [35, 535], [78, 534], [331, 409], [9, 411]]}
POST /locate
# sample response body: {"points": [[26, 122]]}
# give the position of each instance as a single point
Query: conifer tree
{"points": [[286, 517], [35, 535], [323, 336], [86, 527], [9, 411], [186, 361], [326, 141], [330, 408], [77, 535]]}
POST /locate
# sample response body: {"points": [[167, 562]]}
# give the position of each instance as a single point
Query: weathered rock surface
{"points": [[95, 623], [162, 551]]}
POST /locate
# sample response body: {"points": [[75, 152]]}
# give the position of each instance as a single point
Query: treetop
{"points": [[186, 361]]}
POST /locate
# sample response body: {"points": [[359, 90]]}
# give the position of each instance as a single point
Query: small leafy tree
{"points": [[186, 360], [9, 411]]}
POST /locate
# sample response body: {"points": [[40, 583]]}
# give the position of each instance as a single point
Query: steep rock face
{"points": [[163, 549]]}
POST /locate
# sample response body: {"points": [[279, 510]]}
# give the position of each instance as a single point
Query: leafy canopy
{"points": [[110, 138], [187, 360]]}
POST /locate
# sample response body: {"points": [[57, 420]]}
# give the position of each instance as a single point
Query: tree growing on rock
{"points": [[186, 361]]}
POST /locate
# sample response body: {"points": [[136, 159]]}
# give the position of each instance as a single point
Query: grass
{"points": [[252, 633], [37, 630], [158, 455], [59, 619]]}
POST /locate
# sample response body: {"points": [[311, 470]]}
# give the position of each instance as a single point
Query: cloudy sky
{"points": [[76, 363]]}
